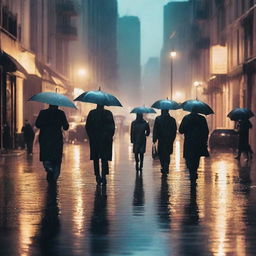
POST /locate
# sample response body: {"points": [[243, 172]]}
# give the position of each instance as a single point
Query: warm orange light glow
{"points": [[82, 72], [173, 54]]}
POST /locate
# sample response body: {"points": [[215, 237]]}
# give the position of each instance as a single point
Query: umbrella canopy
{"points": [[53, 98], [142, 110], [240, 113], [166, 105], [99, 97], [197, 106]]}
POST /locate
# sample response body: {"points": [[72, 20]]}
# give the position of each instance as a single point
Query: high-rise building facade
{"points": [[175, 38], [34, 57], [129, 50], [100, 35]]}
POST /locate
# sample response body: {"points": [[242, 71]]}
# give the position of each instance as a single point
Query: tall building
{"points": [[129, 38], [151, 81], [34, 38], [175, 38], [226, 63], [100, 35]]}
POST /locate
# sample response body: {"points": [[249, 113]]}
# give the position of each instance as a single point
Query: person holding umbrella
{"points": [[243, 125], [51, 121], [139, 131], [100, 128], [195, 129], [164, 132]]}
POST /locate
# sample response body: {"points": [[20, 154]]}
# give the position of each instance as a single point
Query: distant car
{"points": [[223, 139], [77, 133]]}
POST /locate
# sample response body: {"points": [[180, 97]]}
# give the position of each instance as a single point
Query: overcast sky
{"points": [[150, 13]]}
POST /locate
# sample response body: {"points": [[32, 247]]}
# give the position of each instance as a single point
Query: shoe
{"points": [[98, 180], [104, 181]]}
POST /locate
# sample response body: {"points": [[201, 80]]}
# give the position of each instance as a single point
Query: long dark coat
{"points": [[164, 131], [195, 129], [139, 130], [50, 122], [100, 128], [243, 130]]}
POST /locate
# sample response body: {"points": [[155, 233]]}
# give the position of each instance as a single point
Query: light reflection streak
{"points": [[221, 215], [77, 184], [29, 208], [177, 155]]}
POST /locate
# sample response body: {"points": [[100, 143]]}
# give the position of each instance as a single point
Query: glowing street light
{"points": [[172, 55], [82, 72], [196, 85]]}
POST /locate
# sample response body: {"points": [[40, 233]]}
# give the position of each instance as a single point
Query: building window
{"points": [[248, 37]]}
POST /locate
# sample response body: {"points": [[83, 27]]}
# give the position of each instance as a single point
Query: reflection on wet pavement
{"points": [[135, 214]]}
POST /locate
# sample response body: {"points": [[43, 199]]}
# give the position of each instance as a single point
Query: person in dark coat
{"points": [[100, 128], [51, 121], [195, 130], [7, 139], [243, 127], [28, 136], [164, 132], [139, 130]]}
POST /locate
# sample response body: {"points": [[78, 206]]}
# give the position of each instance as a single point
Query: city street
{"points": [[133, 215]]}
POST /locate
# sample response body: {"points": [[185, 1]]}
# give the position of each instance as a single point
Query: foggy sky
{"points": [[150, 13]]}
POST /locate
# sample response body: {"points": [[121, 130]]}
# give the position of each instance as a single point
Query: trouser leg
{"points": [[141, 160], [96, 167], [30, 147], [193, 164], [56, 170], [137, 161], [105, 168]]}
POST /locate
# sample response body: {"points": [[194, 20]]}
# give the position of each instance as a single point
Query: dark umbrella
{"points": [[53, 98], [197, 106], [99, 97], [240, 113], [142, 110], [166, 105]]}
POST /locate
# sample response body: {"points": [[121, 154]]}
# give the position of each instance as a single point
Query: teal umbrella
{"points": [[166, 105], [143, 110], [197, 106], [99, 97], [53, 98], [240, 113]]}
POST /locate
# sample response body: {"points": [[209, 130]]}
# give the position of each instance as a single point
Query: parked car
{"points": [[223, 139], [77, 133]]}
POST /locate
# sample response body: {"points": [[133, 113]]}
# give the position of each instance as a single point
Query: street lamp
{"points": [[82, 72], [196, 85], [172, 55]]}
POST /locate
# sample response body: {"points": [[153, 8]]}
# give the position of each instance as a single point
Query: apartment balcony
{"points": [[202, 43], [67, 9], [9, 21], [67, 32]]}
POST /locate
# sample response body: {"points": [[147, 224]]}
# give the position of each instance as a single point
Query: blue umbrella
{"points": [[143, 110], [240, 113], [166, 105], [53, 98], [99, 97], [197, 106]]}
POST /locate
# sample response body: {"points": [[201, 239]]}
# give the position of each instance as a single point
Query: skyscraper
{"points": [[100, 35], [175, 38], [129, 68]]}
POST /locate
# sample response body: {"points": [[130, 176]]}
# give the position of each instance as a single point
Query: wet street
{"points": [[133, 215]]}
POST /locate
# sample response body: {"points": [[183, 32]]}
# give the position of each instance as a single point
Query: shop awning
{"points": [[11, 64]]}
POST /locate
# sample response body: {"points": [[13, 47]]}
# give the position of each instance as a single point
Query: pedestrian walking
{"points": [[164, 132], [7, 139], [139, 131], [100, 128], [51, 121], [28, 136], [195, 130], [243, 127]]}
